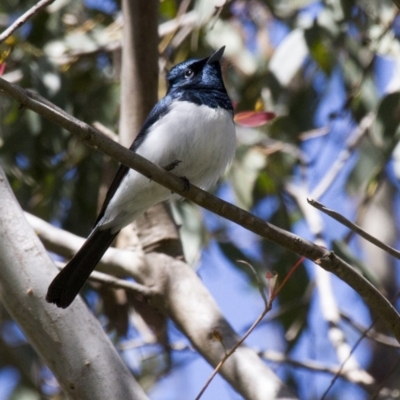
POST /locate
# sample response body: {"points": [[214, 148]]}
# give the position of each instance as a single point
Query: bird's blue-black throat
{"points": [[209, 98]]}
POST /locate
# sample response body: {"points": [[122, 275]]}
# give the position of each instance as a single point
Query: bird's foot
{"points": [[172, 165], [186, 183]]}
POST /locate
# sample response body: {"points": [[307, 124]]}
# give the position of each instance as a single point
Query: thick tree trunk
{"points": [[71, 342]]}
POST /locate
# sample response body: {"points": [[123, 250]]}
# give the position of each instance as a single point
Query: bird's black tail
{"points": [[67, 284]]}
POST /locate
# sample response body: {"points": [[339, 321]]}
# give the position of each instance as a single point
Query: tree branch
{"points": [[24, 18], [327, 260], [115, 261], [174, 288], [357, 376], [195, 312], [355, 228], [372, 334]]}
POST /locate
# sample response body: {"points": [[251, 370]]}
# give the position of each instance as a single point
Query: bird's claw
{"points": [[186, 183], [172, 165]]}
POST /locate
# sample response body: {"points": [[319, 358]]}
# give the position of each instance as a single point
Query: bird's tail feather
{"points": [[67, 284]]}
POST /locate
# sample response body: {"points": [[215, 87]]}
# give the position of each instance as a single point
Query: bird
{"points": [[190, 132]]}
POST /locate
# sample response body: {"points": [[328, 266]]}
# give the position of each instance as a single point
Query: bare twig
{"points": [[24, 18], [316, 366], [378, 337], [287, 277], [234, 348], [268, 306], [267, 355], [259, 283], [273, 293], [327, 260], [355, 228], [365, 374]]}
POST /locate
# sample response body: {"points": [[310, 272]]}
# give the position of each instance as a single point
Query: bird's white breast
{"points": [[201, 138]]}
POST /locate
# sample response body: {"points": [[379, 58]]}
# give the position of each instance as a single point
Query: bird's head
{"points": [[198, 74]]}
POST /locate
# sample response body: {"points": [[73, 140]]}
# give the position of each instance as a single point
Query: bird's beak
{"points": [[216, 56]]}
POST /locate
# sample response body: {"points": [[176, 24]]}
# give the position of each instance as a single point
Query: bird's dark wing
{"points": [[159, 110]]}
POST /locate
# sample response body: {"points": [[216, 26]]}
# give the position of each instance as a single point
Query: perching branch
{"points": [[327, 260]]}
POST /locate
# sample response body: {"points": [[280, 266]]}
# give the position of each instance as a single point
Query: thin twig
{"points": [[287, 277], [342, 365], [355, 228], [316, 366], [231, 351], [259, 283], [268, 306], [24, 18], [371, 334]]}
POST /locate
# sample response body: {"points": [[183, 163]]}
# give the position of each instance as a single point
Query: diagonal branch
{"points": [[115, 261], [350, 375], [175, 289], [327, 260], [355, 228], [23, 19]]}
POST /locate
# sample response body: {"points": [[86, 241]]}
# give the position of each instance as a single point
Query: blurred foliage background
{"points": [[330, 71]]}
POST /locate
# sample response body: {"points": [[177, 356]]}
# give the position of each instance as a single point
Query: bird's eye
{"points": [[188, 73]]}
